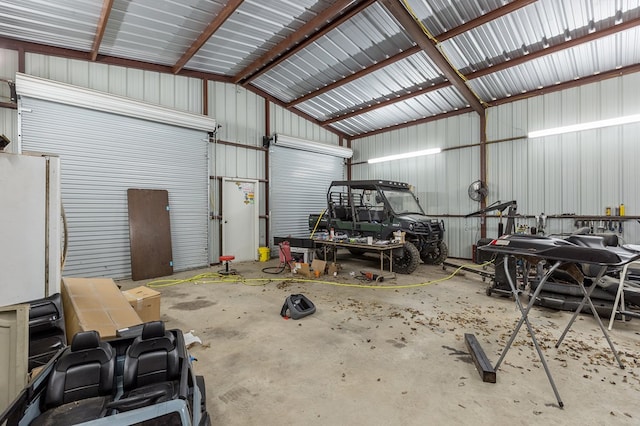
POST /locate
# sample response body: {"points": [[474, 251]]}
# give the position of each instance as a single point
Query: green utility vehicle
{"points": [[378, 208]]}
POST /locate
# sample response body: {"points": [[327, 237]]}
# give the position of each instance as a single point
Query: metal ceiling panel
{"points": [[429, 105], [157, 32], [581, 61], [364, 40], [407, 75], [254, 28], [63, 23], [440, 16], [534, 27]]}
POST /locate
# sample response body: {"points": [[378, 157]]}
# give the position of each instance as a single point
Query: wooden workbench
{"points": [[384, 250]]}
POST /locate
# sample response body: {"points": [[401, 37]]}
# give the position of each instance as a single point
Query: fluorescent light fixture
{"points": [[405, 155], [585, 126]]}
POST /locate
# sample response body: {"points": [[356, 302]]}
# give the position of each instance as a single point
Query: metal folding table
{"points": [[560, 252]]}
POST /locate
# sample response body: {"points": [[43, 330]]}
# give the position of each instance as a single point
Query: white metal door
{"points": [[240, 218]]}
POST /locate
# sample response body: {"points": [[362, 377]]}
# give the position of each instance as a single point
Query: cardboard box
{"points": [[318, 265], [145, 301], [95, 304], [303, 269], [333, 269]]}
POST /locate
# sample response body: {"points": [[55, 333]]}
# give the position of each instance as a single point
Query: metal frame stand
{"points": [[587, 298], [525, 320]]}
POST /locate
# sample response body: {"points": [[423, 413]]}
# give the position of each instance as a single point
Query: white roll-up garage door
{"points": [[299, 179], [105, 153]]}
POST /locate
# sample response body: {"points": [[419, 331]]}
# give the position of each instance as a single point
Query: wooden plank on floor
{"points": [[484, 367]]}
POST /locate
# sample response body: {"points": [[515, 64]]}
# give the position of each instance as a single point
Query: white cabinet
{"points": [[30, 227]]}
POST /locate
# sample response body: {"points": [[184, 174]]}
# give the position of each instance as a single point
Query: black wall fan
{"points": [[478, 191]]}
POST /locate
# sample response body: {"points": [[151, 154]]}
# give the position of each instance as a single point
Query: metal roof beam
{"points": [[496, 68], [397, 10], [413, 123], [375, 67], [297, 36], [250, 72], [107, 5], [213, 26], [570, 84], [11, 44], [614, 29], [387, 102], [538, 92], [481, 20]]}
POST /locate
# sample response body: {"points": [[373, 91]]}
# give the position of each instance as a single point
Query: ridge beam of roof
{"points": [[415, 32], [312, 37], [483, 19], [293, 38], [213, 26], [102, 26]]}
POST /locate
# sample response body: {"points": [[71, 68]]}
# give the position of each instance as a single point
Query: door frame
{"points": [[256, 201]]}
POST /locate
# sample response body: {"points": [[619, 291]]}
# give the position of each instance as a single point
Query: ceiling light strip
{"points": [[585, 126], [431, 151]]}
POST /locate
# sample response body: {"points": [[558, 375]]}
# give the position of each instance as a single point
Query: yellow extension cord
{"points": [[215, 278]]}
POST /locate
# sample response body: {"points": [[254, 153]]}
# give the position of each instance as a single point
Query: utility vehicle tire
{"points": [[330, 254], [408, 262], [356, 252], [437, 256]]}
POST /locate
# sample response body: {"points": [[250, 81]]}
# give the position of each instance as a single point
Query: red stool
{"points": [[226, 270]]}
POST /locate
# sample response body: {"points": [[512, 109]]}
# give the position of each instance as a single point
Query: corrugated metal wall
{"points": [[241, 114], [122, 153], [183, 93], [242, 121], [440, 181], [579, 172], [8, 116], [562, 174]]}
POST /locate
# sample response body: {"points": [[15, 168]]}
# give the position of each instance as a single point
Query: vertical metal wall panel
{"points": [[440, 180], [178, 92], [579, 172], [8, 116], [102, 155], [299, 181], [241, 115]]}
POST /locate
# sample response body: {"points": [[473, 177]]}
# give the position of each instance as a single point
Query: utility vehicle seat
{"points": [[151, 358], [84, 370], [151, 369], [81, 383]]}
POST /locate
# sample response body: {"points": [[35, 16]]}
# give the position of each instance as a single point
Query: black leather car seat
{"points": [[81, 384], [85, 369], [151, 358]]}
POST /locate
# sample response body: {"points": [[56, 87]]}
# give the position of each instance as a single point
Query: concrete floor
{"points": [[394, 356]]}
